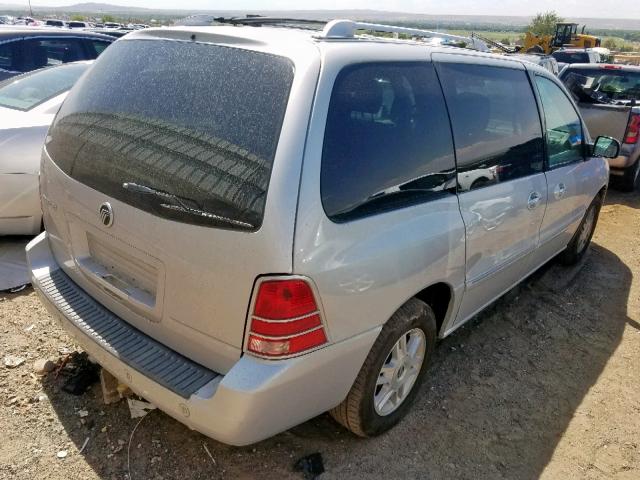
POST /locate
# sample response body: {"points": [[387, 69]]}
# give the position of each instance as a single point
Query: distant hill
{"points": [[371, 15], [78, 8]]}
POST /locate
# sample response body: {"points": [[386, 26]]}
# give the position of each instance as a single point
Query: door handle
{"points": [[534, 200], [559, 191]]}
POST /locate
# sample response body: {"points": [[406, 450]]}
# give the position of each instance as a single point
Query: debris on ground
{"points": [[209, 453], [12, 361], [84, 445], [43, 366], [64, 350], [109, 385], [62, 454], [123, 390], [83, 413], [310, 465], [81, 373], [139, 408]]}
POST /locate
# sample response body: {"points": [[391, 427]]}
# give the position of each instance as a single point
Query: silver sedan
{"points": [[28, 104]]}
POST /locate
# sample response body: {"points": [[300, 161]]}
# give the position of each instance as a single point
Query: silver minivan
{"points": [[252, 226]]}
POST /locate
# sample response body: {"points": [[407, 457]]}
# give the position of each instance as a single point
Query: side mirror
{"points": [[606, 147]]}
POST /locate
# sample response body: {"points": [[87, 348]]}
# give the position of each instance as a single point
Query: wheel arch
{"points": [[439, 296]]}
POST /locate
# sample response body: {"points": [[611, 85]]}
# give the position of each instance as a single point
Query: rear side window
{"points": [[96, 47], [9, 56], [564, 129], [52, 51], [496, 125], [193, 126], [387, 141], [571, 57]]}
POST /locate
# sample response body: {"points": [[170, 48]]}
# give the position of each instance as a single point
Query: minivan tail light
{"points": [[633, 129], [285, 319], [282, 299]]}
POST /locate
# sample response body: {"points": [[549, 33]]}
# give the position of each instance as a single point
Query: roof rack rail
{"points": [[347, 29], [257, 21]]}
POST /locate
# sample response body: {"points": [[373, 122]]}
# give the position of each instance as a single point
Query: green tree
{"points": [[545, 23], [108, 18], [506, 41], [610, 43], [77, 18]]}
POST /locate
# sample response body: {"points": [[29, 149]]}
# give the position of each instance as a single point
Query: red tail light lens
{"points": [[633, 129], [286, 319], [278, 300]]}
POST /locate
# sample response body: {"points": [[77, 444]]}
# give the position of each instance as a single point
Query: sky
{"points": [[566, 8]]}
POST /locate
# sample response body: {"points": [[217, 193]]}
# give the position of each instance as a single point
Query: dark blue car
{"points": [[26, 49]]}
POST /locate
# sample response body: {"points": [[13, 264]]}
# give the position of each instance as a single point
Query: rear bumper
{"points": [[629, 155], [254, 400], [617, 165]]}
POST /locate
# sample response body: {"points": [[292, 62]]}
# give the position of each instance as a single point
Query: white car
{"points": [[28, 104]]}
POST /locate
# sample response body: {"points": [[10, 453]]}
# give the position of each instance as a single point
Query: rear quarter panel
{"points": [[366, 269]]}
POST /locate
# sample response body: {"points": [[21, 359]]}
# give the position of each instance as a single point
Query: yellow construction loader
{"points": [[566, 35]]}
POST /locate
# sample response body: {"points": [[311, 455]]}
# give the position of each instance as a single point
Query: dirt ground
{"points": [[544, 384]]}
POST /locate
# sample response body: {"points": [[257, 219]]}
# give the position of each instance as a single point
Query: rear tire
{"points": [[363, 411], [579, 244], [629, 181]]}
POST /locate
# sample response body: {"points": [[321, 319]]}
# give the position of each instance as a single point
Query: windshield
{"points": [[603, 85], [28, 91], [194, 123], [571, 57]]}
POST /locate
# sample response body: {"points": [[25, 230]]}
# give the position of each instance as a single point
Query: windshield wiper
{"points": [[177, 203]]}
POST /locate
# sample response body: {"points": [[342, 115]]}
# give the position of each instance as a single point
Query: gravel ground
{"points": [[543, 384]]}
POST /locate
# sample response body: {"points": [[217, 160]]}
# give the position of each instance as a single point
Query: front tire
{"points": [[579, 244], [392, 374]]}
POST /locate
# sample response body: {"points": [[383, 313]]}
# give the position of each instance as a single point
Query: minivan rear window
{"points": [[183, 130]]}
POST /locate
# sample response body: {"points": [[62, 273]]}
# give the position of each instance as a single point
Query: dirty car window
{"points": [[198, 122]]}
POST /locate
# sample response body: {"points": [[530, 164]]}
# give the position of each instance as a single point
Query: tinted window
{"points": [[198, 123], [564, 129], [496, 125], [8, 56], [96, 47], [52, 51], [602, 85], [387, 141], [571, 57], [29, 90]]}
